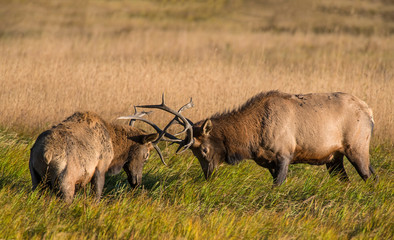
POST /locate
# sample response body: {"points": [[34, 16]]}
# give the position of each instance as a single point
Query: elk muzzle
{"points": [[135, 180], [207, 167]]}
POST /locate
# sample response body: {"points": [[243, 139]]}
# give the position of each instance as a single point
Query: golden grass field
{"points": [[58, 57]]}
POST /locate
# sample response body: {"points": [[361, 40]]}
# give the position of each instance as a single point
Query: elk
{"points": [[276, 129], [84, 147]]}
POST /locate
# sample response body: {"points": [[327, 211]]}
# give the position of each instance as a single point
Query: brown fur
{"points": [[276, 129], [84, 147]]}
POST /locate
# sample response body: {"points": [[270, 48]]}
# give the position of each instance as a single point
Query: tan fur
{"points": [[83, 148], [277, 129]]}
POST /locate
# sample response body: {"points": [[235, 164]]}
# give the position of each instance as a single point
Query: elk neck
{"points": [[120, 136], [240, 129], [239, 137]]}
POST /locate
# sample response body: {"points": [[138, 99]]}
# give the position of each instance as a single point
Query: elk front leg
{"points": [[282, 166]]}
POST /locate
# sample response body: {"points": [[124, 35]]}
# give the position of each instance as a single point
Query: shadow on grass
{"points": [[114, 185], [150, 181], [13, 183], [154, 182], [119, 183]]}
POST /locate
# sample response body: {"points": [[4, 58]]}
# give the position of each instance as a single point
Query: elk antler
{"points": [[136, 114], [186, 123], [139, 116]]}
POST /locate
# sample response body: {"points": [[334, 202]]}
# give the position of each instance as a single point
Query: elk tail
{"points": [[371, 169], [370, 113], [47, 156], [372, 124]]}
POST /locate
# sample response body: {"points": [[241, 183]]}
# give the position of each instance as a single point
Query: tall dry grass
{"points": [[60, 58], [46, 79]]}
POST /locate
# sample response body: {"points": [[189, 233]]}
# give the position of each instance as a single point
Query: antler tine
{"points": [[185, 122], [164, 107], [185, 146], [136, 117], [139, 114], [188, 105], [176, 118], [159, 153], [132, 121]]}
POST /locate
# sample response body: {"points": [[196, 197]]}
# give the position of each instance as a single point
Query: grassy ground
{"points": [[177, 203], [57, 57]]}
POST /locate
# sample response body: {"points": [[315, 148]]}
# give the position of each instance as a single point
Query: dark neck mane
{"points": [[240, 129]]}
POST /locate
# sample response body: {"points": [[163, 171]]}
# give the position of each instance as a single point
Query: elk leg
{"points": [[274, 173], [271, 166], [281, 168], [67, 189], [129, 175], [360, 162], [51, 180], [98, 182], [35, 178], [336, 168]]}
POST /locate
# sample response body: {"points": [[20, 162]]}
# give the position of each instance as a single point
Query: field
{"points": [[57, 57]]}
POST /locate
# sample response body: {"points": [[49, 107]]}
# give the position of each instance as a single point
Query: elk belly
{"points": [[313, 159], [113, 170]]}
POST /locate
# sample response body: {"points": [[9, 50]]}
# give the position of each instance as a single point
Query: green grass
{"points": [[291, 45], [176, 202]]}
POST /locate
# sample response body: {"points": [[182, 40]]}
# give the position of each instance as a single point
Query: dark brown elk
{"points": [[84, 147], [276, 129]]}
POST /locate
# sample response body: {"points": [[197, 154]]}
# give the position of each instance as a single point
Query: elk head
{"points": [[137, 156], [152, 139], [208, 148]]}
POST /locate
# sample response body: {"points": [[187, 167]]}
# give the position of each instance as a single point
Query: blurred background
{"points": [[57, 57]]}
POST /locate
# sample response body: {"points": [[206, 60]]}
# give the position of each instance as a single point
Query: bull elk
{"points": [[276, 129], [84, 147]]}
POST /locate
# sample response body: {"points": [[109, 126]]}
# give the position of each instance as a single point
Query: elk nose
{"points": [[207, 168], [207, 174], [135, 181]]}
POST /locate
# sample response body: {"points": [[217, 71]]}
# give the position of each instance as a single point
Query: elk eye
{"points": [[204, 151], [146, 155]]}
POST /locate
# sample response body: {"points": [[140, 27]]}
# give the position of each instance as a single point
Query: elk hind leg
{"points": [[98, 182], [336, 168], [67, 188], [35, 178]]}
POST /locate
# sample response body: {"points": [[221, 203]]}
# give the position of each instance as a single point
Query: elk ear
{"points": [[150, 138], [206, 127]]}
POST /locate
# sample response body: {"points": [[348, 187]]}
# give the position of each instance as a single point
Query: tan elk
{"points": [[84, 147], [276, 129]]}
